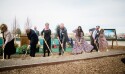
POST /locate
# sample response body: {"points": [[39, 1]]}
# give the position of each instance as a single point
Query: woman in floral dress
{"points": [[103, 44], [80, 45]]}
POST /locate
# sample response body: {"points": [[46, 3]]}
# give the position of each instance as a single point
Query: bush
{"points": [[23, 49]]}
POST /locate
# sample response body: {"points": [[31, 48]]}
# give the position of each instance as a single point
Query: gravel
{"points": [[105, 65]]}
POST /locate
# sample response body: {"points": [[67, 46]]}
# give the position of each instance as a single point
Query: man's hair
{"points": [[98, 26]]}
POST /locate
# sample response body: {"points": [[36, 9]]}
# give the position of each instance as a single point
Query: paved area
{"points": [[28, 61]]}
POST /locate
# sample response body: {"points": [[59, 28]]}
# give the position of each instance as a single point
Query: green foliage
{"points": [[23, 49]]}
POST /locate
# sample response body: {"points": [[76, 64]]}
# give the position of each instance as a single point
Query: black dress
{"points": [[9, 48], [47, 37]]}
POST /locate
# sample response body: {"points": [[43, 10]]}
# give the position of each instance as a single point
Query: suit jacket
{"points": [[64, 36], [32, 37], [37, 32]]}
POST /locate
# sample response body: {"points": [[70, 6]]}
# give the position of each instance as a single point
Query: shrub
{"points": [[23, 49]]}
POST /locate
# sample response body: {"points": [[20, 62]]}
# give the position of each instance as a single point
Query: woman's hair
{"points": [[79, 31], [101, 31], [3, 27]]}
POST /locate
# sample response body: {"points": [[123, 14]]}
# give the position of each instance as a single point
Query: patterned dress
{"points": [[85, 46], [76, 48], [80, 45], [103, 44]]}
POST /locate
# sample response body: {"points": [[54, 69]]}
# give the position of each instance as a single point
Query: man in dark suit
{"points": [[95, 36], [33, 41], [63, 37]]}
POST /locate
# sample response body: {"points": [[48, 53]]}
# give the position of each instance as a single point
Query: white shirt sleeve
{"points": [[8, 37], [94, 34]]}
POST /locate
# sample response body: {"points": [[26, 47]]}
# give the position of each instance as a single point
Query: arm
{"points": [[74, 31], [42, 32], [65, 36], [50, 33], [8, 36], [82, 34]]}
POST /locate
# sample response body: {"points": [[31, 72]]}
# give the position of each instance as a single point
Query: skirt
{"points": [[10, 48]]}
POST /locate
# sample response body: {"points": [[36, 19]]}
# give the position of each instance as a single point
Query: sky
{"points": [[109, 14]]}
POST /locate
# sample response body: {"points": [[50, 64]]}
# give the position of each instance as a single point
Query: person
{"points": [[91, 38], [46, 33], [103, 44], [8, 45], [95, 36], [63, 37], [36, 31], [80, 44], [33, 41]]}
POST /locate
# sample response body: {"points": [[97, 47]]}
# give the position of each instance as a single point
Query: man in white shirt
{"points": [[63, 37], [95, 36]]}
